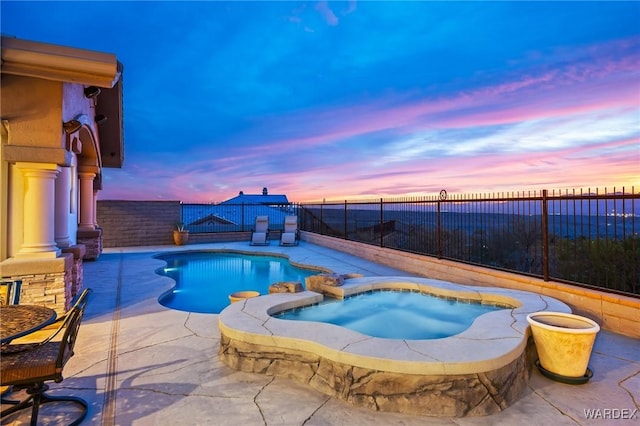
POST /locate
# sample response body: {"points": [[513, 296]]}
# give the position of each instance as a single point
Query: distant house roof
{"points": [[212, 219], [233, 217], [263, 199]]}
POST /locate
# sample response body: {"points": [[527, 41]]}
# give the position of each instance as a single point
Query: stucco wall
{"points": [[32, 106], [137, 223]]}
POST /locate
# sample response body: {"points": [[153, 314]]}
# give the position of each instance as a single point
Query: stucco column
{"points": [[63, 207], [86, 201], [39, 210]]}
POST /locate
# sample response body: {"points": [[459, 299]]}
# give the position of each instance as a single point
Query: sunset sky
{"points": [[345, 100]]}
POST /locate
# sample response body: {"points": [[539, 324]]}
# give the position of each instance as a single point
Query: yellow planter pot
{"points": [[563, 341], [241, 295]]}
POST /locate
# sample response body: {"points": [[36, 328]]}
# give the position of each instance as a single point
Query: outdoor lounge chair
{"points": [[43, 362], [260, 234], [289, 236]]}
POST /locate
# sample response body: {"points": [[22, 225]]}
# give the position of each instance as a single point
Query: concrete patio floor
{"points": [[139, 363]]}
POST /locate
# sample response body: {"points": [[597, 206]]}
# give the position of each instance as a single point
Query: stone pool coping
{"points": [[494, 340]]}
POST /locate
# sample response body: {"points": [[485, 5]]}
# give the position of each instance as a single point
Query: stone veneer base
{"points": [[478, 372], [457, 395]]}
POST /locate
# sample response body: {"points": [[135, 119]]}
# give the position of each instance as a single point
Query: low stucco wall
{"points": [[616, 313]]}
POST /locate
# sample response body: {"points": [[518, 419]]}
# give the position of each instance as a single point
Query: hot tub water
{"points": [[394, 314]]}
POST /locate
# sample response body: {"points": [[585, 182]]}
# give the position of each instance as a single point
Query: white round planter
{"points": [[563, 341]]}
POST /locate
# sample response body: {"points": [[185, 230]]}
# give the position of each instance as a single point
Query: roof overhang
{"points": [[111, 132], [60, 63], [67, 64]]}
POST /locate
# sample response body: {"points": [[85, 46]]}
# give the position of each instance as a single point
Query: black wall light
{"points": [[71, 126], [91, 91]]}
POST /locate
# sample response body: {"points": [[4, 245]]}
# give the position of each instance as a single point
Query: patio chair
{"points": [[44, 333], [10, 292], [260, 234], [43, 362], [9, 295], [289, 236]]}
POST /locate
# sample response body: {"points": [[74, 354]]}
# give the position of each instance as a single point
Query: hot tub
{"points": [[479, 371]]}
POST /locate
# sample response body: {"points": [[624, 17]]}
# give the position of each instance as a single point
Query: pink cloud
{"points": [[550, 94], [505, 172], [326, 12], [584, 106]]}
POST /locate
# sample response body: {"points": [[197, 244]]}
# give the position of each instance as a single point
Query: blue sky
{"points": [[344, 100]]}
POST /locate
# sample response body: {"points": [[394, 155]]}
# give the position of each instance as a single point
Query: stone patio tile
{"points": [[167, 369]]}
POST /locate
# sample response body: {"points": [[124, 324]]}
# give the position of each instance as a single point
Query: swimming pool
{"points": [[204, 279], [394, 314]]}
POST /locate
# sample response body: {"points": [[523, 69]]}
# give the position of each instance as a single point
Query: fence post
{"points": [[381, 224], [438, 233], [545, 236], [345, 219]]}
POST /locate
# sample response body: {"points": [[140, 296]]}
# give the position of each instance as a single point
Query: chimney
{"points": [[264, 191]]}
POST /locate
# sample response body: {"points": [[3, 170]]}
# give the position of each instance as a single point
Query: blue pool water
{"points": [[204, 280], [394, 314]]}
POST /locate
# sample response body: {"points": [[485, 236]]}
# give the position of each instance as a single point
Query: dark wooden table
{"points": [[19, 320]]}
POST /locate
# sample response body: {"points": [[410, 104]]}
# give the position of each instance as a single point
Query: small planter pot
{"points": [[564, 343], [241, 295], [180, 237]]}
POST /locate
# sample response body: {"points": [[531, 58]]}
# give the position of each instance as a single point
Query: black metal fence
{"points": [[223, 217], [589, 238]]}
